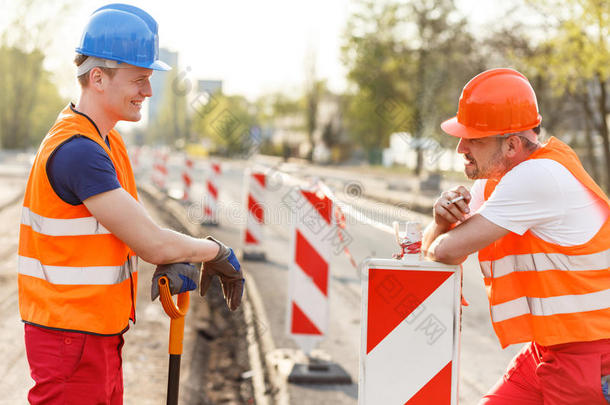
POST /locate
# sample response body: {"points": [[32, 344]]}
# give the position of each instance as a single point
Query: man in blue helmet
{"points": [[83, 228]]}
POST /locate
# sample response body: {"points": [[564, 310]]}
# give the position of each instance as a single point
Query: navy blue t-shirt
{"points": [[79, 169]]}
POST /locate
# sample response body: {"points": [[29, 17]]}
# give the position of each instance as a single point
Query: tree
{"points": [[29, 101], [376, 106], [409, 62], [579, 63], [228, 122]]}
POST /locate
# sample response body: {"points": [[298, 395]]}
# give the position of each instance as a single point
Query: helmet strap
{"points": [[93, 61]]}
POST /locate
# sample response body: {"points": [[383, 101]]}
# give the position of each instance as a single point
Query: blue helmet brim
{"points": [[160, 65]]}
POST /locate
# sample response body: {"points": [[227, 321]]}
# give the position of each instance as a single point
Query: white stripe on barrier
{"points": [[62, 227], [63, 275], [316, 308]]}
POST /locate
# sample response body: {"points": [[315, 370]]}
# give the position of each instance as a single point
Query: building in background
{"points": [[158, 82]]}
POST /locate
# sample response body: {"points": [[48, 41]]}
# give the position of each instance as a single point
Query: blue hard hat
{"points": [[123, 33]]}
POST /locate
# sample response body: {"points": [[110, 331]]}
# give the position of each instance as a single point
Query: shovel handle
{"points": [[170, 308], [176, 313]]}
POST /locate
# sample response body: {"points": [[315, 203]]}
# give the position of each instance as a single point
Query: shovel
{"points": [[176, 334]]}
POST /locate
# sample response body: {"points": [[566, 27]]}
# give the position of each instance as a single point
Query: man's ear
{"points": [[96, 79], [513, 146]]}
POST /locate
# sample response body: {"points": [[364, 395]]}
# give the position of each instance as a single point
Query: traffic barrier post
{"points": [[253, 234], [309, 284], [210, 207], [410, 329]]}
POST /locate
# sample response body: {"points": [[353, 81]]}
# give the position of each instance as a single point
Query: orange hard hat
{"points": [[497, 101]]}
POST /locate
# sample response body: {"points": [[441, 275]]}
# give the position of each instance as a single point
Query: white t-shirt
{"points": [[542, 196]]}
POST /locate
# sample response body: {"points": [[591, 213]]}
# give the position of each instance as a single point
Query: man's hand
{"points": [[226, 266], [182, 277], [447, 213]]}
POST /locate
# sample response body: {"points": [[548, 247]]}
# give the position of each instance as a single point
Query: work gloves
{"points": [[226, 266], [182, 277]]}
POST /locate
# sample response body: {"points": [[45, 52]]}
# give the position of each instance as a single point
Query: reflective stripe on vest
{"points": [[73, 273], [543, 292], [544, 262], [61, 227], [94, 275], [563, 304]]}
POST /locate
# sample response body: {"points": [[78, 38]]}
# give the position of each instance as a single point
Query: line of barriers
{"points": [[410, 310]]}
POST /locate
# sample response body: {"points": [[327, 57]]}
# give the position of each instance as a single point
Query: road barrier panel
{"points": [[410, 330], [187, 178], [134, 153], [255, 197], [307, 322], [210, 205], [160, 171]]}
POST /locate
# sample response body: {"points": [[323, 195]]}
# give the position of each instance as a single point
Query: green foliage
{"points": [[579, 43], [408, 62], [577, 62], [227, 121], [29, 102], [277, 105]]}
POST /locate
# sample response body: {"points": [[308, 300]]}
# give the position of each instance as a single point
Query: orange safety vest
{"points": [[547, 293], [73, 273]]}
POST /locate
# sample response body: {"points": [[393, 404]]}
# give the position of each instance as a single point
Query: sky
{"points": [[255, 47]]}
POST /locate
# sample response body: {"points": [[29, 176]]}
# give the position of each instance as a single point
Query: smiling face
{"points": [[483, 157], [125, 92]]}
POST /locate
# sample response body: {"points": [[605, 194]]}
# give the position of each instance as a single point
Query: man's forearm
{"points": [[175, 247], [432, 231]]}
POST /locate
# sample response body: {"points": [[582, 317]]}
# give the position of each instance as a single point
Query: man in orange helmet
{"points": [[541, 227]]}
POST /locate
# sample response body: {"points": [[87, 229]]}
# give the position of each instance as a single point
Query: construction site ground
{"points": [[222, 353]]}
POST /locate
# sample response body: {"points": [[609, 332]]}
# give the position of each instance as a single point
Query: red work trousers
{"points": [[562, 374], [74, 368]]}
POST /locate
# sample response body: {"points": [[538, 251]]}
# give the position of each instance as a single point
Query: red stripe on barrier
{"points": [[312, 264], [260, 177], [436, 391], [393, 295], [212, 190], [208, 211], [301, 324], [216, 167], [322, 205], [250, 238], [187, 179], [256, 209]]}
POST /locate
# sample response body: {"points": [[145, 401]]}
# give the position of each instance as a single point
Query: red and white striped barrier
{"points": [[187, 178], [410, 331], [135, 158], [160, 171], [210, 207], [255, 216], [309, 275]]}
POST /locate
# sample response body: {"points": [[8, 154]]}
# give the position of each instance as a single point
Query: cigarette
{"points": [[456, 199]]}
